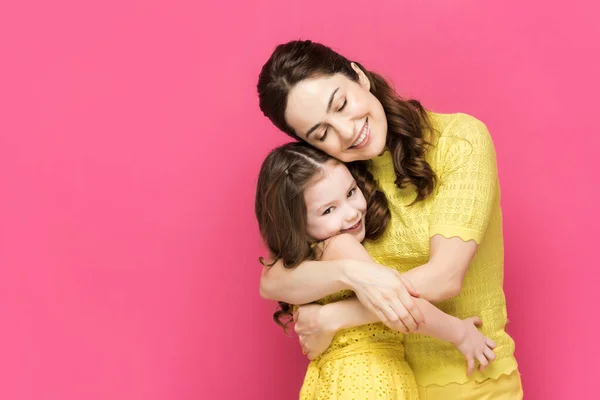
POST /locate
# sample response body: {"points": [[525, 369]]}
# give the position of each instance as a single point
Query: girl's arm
{"points": [[350, 313]]}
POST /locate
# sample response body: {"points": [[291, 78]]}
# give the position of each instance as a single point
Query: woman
{"points": [[309, 206], [445, 235]]}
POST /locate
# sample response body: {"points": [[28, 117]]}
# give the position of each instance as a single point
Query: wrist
{"points": [[346, 272], [459, 330], [328, 318]]}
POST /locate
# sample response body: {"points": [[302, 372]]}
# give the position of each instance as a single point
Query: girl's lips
{"points": [[354, 227]]}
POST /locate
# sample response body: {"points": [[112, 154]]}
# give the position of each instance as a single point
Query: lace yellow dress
{"points": [[365, 362]]}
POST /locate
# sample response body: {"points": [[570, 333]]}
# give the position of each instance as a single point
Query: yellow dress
{"points": [[465, 204], [366, 362], [369, 362]]}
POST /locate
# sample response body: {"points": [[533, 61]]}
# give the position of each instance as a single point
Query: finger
{"points": [[301, 339], [311, 356], [489, 354], [474, 320], [394, 324], [405, 317], [397, 326], [490, 343], [483, 362], [375, 310], [410, 305], [301, 329], [409, 286], [305, 349], [383, 306], [470, 365], [295, 316], [400, 327], [303, 346]]}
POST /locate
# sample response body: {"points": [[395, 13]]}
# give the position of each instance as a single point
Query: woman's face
{"points": [[339, 116], [334, 204]]}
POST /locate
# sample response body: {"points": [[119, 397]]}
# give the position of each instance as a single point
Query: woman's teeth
{"points": [[363, 135]]}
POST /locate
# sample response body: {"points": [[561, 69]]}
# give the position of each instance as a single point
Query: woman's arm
{"points": [[441, 278], [350, 313], [308, 282], [468, 177], [314, 323], [466, 197], [382, 290]]}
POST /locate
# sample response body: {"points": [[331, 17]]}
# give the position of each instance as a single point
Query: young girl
{"points": [[310, 207], [439, 173]]}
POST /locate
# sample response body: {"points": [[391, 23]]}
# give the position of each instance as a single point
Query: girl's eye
{"points": [[351, 192], [328, 211]]}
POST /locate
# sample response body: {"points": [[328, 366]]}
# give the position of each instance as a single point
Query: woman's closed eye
{"points": [[322, 138]]}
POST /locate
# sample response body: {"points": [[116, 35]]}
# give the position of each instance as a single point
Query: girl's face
{"points": [[334, 204], [339, 116]]}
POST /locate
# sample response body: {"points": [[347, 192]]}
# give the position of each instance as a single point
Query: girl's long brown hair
{"points": [[407, 120], [281, 211]]}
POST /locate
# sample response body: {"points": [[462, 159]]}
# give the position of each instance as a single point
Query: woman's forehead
{"points": [[308, 100]]}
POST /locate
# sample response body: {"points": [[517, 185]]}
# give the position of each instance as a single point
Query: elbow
{"points": [[265, 290], [271, 288], [452, 288], [452, 279], [275, 286], [444, 288]]}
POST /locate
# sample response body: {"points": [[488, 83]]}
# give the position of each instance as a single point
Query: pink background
{"points": [[130, 143]]}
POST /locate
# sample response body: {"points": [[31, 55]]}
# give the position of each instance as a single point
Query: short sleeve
{"points": [[467, 181]]}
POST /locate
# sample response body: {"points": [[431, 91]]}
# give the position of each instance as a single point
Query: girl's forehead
{"points": [[333, 179]]}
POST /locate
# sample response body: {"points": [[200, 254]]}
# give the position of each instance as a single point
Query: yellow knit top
{"points": [[465, 204]]}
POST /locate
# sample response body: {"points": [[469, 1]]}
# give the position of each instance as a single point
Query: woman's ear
{"points": [[363, 81]]}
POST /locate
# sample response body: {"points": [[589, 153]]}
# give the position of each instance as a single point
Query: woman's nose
{"points": [[345, 128]]}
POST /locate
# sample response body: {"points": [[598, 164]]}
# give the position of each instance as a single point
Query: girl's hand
{"points": [[474, 345], [313, 330]]}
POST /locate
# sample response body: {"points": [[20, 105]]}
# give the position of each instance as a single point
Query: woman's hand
{"points": [[314, 330], [474, 345], [385, 293]]}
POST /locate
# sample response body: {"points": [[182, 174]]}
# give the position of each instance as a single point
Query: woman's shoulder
{"points": [[458, 125]]}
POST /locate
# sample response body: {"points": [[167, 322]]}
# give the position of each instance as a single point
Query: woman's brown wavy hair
{"points": [[407, 120], [281, 211]]}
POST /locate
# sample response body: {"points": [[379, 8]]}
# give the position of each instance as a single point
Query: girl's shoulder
{"points": [[336, 247]]}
